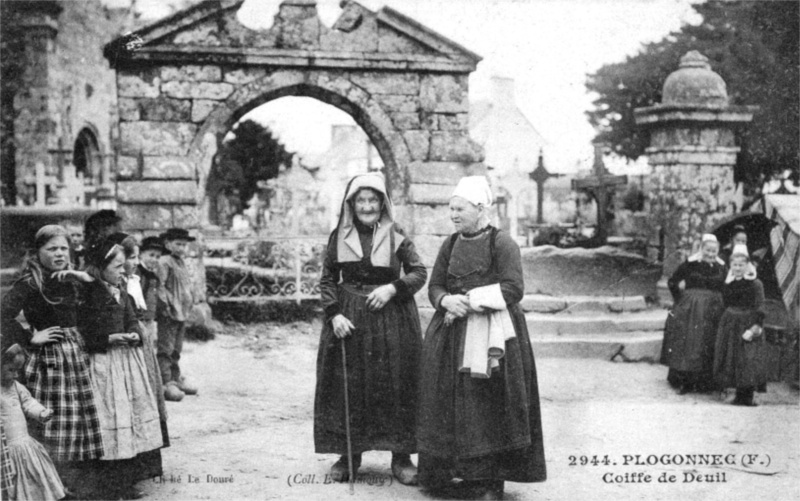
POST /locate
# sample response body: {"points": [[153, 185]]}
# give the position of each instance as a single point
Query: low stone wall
{"points": [[605, 271], [18, 226]]}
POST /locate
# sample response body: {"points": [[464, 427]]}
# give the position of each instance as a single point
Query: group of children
{"points": [[93, 361], [714, 336]]}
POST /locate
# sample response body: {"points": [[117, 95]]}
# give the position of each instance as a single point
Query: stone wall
{"points": [[404, 85]]}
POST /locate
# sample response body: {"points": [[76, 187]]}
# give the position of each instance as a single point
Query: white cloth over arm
{"points": [[487, 332]]}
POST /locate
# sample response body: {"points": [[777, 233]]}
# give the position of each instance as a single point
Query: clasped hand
{"points": [[378, 298], [457, 306], [342, 326]]}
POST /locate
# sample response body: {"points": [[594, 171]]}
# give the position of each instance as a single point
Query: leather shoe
{"points": [[185, 387], [172, 393], [403, 469], [489, 490], [340, 471]]}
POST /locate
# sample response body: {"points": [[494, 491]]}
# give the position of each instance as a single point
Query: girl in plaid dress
{"points": [[56, 372]]}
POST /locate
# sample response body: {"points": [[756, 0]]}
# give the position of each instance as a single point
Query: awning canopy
{"points": [[785, 245]]}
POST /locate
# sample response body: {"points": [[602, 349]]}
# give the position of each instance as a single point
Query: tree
{"points": [[253, 154], [754, 48]]}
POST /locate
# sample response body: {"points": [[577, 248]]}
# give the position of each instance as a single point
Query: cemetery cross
{"points": [[540, 175], [599, 184]]}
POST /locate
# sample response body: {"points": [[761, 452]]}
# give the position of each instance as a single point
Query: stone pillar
{"points": [[36, 24], [692, 154]]}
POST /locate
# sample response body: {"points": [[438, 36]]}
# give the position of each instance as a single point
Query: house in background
{"points": [[512, 146]]}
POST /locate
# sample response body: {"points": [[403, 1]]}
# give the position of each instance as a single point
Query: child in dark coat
{"points": [[739, 351]]}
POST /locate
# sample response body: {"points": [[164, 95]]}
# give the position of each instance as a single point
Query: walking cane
{"points": [[347, 418]]}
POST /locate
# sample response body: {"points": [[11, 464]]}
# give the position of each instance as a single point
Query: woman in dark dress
{"points": [[691, 327], [371, 308], [480, 427], [739, 352]]}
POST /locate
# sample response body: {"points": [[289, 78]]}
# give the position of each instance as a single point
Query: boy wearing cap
{"points": [[176, 298]]}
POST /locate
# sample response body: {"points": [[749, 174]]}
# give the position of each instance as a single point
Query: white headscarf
{"points": [[698, 256], [750, 272], [475, 190], [386, 240]]}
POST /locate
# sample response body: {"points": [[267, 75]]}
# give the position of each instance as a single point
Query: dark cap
{"points": [[176, 234], [102, 218], [152, 243], [118, 237]]}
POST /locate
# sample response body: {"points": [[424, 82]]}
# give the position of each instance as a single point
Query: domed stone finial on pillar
{"points": [[692, 154], [695, 83]]}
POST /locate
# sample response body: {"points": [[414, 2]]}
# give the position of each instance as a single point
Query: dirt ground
{"points": [[248, 434]]}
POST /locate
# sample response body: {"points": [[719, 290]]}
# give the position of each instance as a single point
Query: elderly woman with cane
{"points": [[370, 308], [479, 421]]}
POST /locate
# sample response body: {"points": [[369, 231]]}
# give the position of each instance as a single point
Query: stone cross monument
{"points": [[692, 153], [599, 184]]}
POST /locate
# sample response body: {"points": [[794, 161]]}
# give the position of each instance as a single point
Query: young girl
{"points": [[132, 281], [56, 372], [738, 357], [36, 476], [125, 399]]}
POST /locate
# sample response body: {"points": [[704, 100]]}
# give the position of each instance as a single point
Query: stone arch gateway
{"points": [[185, 80]]}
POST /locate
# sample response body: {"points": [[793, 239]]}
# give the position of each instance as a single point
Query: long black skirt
{"points": [[689, 336], [739, 363], [478, 429], [382, 373]]}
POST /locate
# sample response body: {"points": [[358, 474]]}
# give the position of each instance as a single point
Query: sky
{"points": [[547, 46]]}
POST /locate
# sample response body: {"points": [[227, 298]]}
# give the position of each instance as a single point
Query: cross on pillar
{"points": [[600, 184], [540, 175]]}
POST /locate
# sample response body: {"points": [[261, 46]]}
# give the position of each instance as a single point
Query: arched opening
{"points": [[86, 157], [281, 168]]}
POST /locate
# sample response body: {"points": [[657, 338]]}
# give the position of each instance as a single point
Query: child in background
{"points": [[148, 270], [177, 298], [126, 403], [150, 252], [75, 231], [36, 476]]}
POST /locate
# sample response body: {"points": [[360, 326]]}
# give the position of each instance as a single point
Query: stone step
{"points": [[636, 346], [541, 303], [540, 324], [602, 323]]}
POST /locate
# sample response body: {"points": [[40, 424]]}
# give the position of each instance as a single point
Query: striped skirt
{"points": [[57, 375]]}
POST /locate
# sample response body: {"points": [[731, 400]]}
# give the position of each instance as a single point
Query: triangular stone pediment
{"points": [[360, 38]]}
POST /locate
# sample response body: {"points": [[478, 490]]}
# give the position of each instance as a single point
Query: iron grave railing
{"points": [[263, 269]]}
